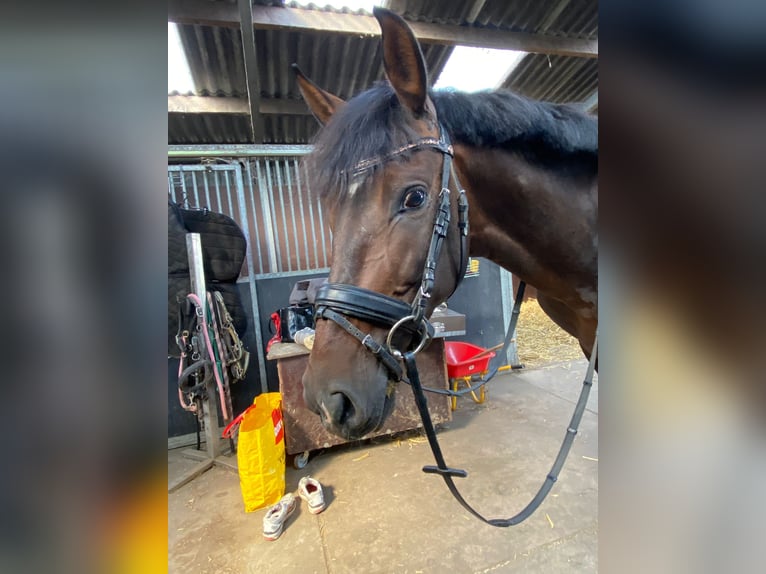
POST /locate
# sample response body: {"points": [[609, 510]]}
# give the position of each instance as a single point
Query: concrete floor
{"points": [[385, 515]]}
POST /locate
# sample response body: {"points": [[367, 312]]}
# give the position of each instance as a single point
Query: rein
{"points": [[336, 301], [447, 473]]}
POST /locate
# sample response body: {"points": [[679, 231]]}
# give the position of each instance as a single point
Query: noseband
{"points": [[336, 301]]}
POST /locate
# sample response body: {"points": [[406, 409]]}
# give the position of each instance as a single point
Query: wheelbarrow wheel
{"points": [[301, 460]]}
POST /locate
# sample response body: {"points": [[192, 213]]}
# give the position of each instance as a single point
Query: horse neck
{"points": [[537, 223]]}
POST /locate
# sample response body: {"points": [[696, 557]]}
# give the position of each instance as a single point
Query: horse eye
{"points": [[414, 198]]}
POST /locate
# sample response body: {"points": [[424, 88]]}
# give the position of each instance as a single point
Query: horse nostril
{"points": [[338, 408]]}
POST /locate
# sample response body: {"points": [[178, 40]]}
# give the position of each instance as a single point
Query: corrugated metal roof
{"points": [[345, 65], [569, 18], [539, 76], [208, 129], [566, 18], [215, 60], [280, 129], [554, 78], [193, 129]]}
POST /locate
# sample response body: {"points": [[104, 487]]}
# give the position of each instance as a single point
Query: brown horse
{"points": [[530, 175]]}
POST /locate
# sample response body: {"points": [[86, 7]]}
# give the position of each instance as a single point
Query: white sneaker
{"points": [[275, 518], [310, 490]]}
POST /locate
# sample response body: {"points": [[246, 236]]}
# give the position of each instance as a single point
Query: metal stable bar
{"points": [[255, 215], [271, 229], [270, 192], [251, 281], [263, 193], [310, 201], [322, 230], [228, 193], [237, 150], [290, 193], [284, 217], [299, 191], [197, 201], [319, 271], [207, 190], [184, 193], [171, 187], [208, 203], [218, 190]]}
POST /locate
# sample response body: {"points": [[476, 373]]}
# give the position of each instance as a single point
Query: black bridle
{"points": [[336, 301]]}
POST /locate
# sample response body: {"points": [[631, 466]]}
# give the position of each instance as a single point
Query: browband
{"points": [[442, 144]]}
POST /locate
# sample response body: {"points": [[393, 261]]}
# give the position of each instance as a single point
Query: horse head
{"points": [[380, 164]]}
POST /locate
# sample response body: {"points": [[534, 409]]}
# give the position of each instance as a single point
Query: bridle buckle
{"points": [[422, 331]]}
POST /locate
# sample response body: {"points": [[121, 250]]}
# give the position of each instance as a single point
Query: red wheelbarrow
{"points": [[465, 361]]}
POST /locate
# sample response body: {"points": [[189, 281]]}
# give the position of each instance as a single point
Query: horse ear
{"points": [[403, 60], [322, 104]]}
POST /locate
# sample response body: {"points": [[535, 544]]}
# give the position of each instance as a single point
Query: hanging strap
{"points": [[447, 473], [499, 357], [509, 334]]}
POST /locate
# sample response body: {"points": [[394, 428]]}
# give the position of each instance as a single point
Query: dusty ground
{"points": [[386, 516]]}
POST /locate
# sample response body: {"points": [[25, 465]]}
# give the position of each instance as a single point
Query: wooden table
{"points": [[303, 429]]}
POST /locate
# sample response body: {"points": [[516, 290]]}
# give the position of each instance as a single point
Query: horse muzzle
{"points": [[346, 413]]}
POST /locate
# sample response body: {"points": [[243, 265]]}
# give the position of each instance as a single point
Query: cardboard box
{"points": [[448, 323]]}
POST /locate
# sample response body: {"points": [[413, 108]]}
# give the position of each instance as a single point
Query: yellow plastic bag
{"points": [[261, 451]]}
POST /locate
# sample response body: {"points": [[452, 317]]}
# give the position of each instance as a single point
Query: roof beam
{"points": [[238, 106], [252, 76], [224, 14], [207, 105]]}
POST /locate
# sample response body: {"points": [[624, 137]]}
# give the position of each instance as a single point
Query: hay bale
{"points": [[540, 341]]}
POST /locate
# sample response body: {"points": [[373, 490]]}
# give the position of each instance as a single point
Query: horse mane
{"points": [[544, 132], [373, 123]]}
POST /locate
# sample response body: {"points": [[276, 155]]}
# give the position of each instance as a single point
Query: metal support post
{"points": [[209, 410]]}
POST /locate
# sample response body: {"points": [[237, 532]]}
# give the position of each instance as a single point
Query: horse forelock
{"points": [[369, 125]]}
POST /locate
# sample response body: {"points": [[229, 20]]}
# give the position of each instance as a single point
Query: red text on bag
{"points": [[279, 431]]}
